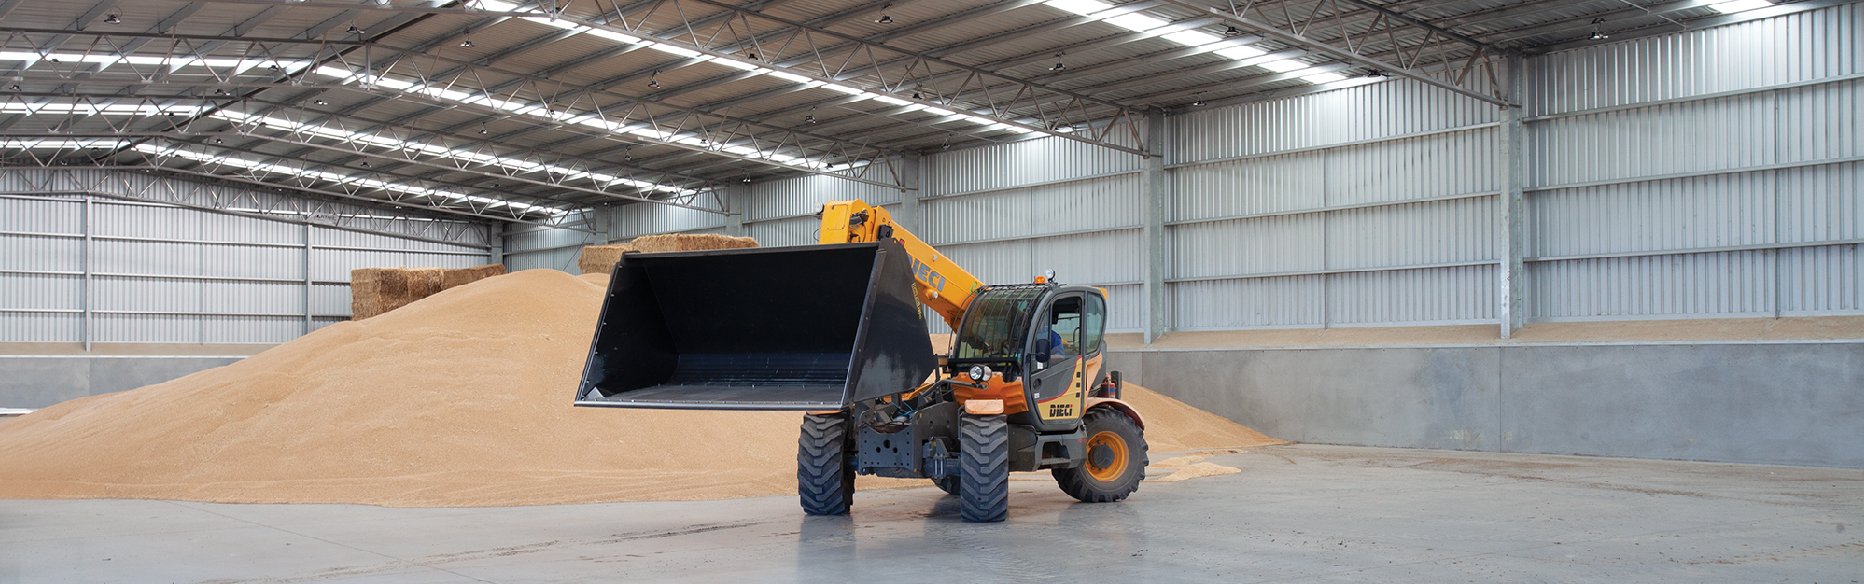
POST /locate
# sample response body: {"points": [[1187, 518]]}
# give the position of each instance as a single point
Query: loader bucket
{"points": [[788, 328]]}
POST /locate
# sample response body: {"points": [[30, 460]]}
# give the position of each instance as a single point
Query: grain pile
{"points": [[601, 259], [460, 399], [374, 291]]}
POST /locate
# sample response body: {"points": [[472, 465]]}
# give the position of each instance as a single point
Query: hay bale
{"points": [[463, 276], [374, 291], [690, 242], [600, 259]]}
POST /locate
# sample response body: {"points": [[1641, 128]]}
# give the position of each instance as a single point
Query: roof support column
{"points": [[305, 266], [1155, 204], [737, 203], [912, 175], [84, 289], [1511, 232], [495, 243]]}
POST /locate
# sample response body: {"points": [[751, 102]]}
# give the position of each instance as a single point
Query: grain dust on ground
{"points": [[459, 399]]}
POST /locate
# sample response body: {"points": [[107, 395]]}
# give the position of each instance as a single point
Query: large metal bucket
{"points": [[788, 328]]}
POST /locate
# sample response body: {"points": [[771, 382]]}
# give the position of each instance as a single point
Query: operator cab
{"points": [[1045, 336]]}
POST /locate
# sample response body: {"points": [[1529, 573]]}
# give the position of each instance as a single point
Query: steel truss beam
{"points": [[1003, 100], [1415, 44], [302, 176], [462, 153], [191, 191]]}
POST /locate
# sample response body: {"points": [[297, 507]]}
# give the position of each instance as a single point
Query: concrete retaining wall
{"points": [[1774, 403], [37, 381]]}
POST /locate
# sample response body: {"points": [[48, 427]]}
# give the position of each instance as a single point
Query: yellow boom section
{"points": [[941, 284]]}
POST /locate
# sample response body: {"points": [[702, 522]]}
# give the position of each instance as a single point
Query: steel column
{"points": [[1153, 238], [84, 224], [1511, 230], [307, 278]]}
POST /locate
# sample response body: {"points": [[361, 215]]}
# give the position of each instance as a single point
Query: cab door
{"points": [[1055, 363]]}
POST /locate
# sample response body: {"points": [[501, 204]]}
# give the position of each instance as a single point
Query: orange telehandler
{"points": [[837, 330]]}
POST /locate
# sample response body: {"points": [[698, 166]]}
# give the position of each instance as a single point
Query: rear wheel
{"points": [[983, 468], [824, 467], [1116, 459]]}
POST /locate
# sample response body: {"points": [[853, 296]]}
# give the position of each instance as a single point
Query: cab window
{"points": [[1064, 328], [1093, 324]]}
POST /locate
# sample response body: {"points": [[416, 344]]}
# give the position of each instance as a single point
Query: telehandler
{"points": [[837, 330]]}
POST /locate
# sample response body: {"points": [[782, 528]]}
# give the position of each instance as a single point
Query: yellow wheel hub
{"points": [[1106, 456]]}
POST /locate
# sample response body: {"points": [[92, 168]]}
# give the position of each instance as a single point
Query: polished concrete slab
{"points": [[1295, 514]]}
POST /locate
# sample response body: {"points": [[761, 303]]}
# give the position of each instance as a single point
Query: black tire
{"points": [[947, 484], [1079, 481], [983, 468], [824, 467]]}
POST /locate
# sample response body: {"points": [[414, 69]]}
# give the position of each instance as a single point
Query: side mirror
{"points": [[1041, 351]]}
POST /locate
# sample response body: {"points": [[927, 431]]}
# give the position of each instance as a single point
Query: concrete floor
{"points": [[1295, 514]]}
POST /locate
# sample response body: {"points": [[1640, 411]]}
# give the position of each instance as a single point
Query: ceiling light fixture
{"points": [[466, 44], [653, 81], [112, 19], [1231, 31], [354, 30], [884, 19], [1598, 35]]}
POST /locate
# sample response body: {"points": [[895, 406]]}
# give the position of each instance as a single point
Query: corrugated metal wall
{"points": [[1369, 205], [1708, 173], [156, 273], [1701, 174]]}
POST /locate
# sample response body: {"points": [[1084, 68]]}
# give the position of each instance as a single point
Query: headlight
{"points": [[979, 373]]}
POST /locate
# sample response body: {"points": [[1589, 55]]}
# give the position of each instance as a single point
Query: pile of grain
{"points": [[601, 259], [461, 399], [374, 291]]}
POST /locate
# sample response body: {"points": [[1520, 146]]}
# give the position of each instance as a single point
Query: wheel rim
{"points": [[1106, 456]]}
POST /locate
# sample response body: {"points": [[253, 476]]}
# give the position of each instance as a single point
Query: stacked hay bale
{"points": [[464, 276], [601, 259], [374, 291]]}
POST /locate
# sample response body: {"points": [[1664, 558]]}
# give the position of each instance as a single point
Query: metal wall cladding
{"points": [[637, 219], [159, 328], [1810, 45], [330, 299], [1825, 280], [1461, 230], [1106, 257], [804, 195], [1293, 301], [1105, 203], [1732, 132], [1464, 294], [138, 294], [42, 291], [1702, 284], [38, 327], [1002, 166], [1821, 203], [1288, 182], [1356, 114], [1263, 245], [556, 259], [41, 253], [1821, 122], [42, 215], [339, 238], [1413, 168], [781, 232], [1705, 211], [519, 241]]}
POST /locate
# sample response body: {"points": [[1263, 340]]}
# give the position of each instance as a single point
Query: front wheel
{"points": [[983, 468], [1116, 459], [824, 467]]}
